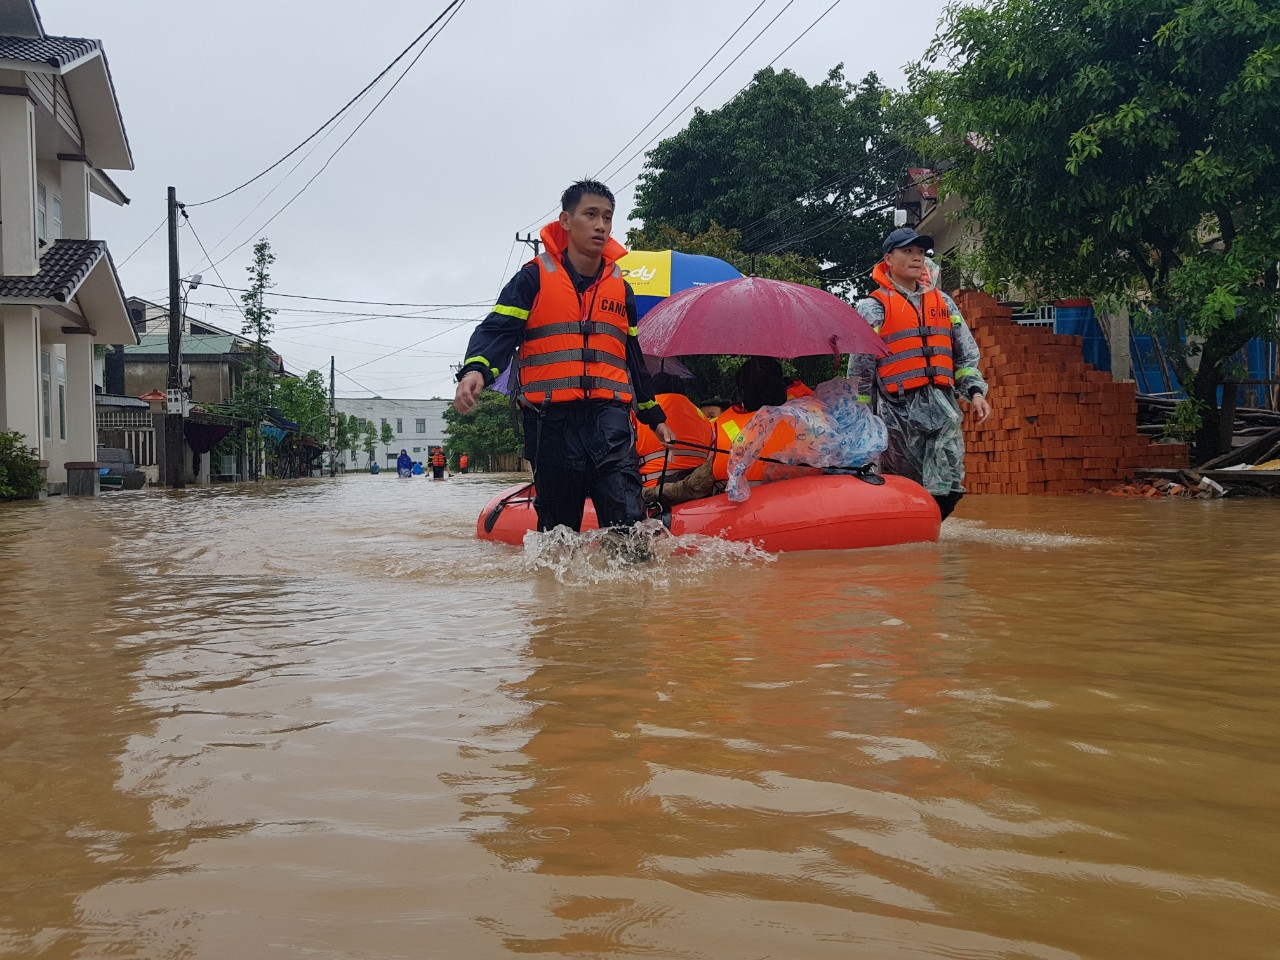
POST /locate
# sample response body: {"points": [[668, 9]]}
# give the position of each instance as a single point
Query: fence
{"points": [[131, 430]]}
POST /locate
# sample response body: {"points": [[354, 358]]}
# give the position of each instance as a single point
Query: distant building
{"points": [[417, 424], [60, 129]]}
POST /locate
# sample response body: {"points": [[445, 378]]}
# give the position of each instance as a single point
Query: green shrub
{"points": [[19, 468]]}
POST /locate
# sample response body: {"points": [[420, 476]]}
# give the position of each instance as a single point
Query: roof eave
{"points": [[94, 96]]}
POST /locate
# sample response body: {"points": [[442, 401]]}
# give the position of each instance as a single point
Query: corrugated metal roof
{"points": [[63, 267], [55, 51]]}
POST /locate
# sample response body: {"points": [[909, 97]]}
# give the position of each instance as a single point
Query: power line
{"points": [[702, 91], [370, 303], [385, 70], [143, 243], [455, 6], [706, 63]]}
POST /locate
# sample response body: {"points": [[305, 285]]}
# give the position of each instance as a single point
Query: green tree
{"points": [[257, 390], [305, 401], [792, 167], [1123, 148], [369, 440], [485, 432], [387, 436]]}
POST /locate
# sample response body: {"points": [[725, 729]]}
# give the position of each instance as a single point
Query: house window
{"points": [[421, 425], [417, 449], [384, 421], [399, 425], [62, 398], [55, 209], [44, 394], [41, 201]]}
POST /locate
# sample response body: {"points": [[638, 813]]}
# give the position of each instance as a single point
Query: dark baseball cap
{"points": [[905, 236]]}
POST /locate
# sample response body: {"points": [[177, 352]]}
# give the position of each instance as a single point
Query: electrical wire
{"points": [[143, 243], [706, 63], [456, 6], [385, 70], [370, 303]]}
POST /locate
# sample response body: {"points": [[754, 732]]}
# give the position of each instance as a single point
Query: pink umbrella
{"points": [[770, 318]]}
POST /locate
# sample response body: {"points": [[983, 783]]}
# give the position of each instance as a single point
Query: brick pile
{"points": [[1057, 425]]}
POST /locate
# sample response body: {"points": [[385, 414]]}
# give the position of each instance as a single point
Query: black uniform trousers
{"points": [[580, 449]]}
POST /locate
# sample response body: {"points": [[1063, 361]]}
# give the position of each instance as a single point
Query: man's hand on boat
{"points": [[665, 434], [469, 389]]}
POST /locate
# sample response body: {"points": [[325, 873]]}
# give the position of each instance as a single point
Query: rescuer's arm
{"points": [[495, 340], [647, 410], [862, 366], [965, 356]]}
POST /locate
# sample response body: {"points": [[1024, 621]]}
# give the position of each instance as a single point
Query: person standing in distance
{"points": [[933, 359], [569, 318]]}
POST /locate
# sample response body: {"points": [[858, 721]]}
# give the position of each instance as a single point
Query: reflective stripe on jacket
{"points": [[689, 425], [919, 342], [728, 427], [575, 347]]}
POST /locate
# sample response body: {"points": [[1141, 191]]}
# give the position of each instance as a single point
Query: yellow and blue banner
{"points": [[656, 274]]}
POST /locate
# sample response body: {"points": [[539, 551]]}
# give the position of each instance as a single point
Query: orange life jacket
{"points": [[919, 342], [462, 461], [437, 459], [688, 423], [575, 347], [729, 426], [796, 389]]}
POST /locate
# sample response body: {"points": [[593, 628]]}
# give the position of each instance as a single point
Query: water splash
{"points": [[646, 552]]}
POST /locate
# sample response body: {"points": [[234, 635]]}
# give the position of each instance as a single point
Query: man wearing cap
{"points": [[932, 363]]}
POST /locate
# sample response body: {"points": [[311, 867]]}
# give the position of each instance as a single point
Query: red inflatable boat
{"points": [[827, 512]]}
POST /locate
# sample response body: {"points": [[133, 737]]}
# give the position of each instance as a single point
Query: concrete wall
{"points": [[408, 412]]}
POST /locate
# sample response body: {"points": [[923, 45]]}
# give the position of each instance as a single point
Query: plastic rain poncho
{"points": [[926, 439], [833, 429]]}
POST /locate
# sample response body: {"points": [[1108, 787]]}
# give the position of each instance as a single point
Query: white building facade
{"points": [[60, 129], [417, 424]]}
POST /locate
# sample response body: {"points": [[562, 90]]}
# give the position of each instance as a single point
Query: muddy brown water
{"points": [[320, 720]]}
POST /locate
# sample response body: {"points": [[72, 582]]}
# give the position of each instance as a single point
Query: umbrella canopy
{"points": [[656, 274], [770, 318]]}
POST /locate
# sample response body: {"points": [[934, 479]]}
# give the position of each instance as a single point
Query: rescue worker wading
{"points": [[570, 318], [932, 359]]}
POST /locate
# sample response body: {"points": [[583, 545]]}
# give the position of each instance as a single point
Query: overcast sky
{"points": [[511, 102]]}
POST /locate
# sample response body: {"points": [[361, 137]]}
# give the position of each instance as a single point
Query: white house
{"points": [[417, 425], [60, 128]]}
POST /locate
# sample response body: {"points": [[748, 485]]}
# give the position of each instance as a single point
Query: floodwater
{"points": [[320, 720]]}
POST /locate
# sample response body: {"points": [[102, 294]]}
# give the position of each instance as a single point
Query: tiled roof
{"points": [[192, 346], [55, 51], [63, 267]]}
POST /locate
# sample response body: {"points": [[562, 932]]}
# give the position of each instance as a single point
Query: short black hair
{"points": [[572, 196]]}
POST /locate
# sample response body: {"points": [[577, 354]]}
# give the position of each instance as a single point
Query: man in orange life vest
{"points": [[681, 472], [932, 359], [463, 463], [570, 318]]}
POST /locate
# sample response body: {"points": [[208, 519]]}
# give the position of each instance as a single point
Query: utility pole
{"points": [[333, 427], [532, 241], [173, 439]]}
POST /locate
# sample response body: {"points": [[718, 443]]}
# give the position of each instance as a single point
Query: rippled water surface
{"points": [[321, 720]]}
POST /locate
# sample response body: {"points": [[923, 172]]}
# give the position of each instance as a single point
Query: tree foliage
{"points": [[1123, 148], [20, 476], [791, 167], [485, 432], [305, 401], [257, 390]]}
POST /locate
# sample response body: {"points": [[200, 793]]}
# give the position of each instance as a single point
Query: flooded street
{"points": [[320, 720]]}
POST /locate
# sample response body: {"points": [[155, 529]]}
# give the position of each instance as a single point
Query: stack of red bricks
{"points": [[1057, 425]]}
